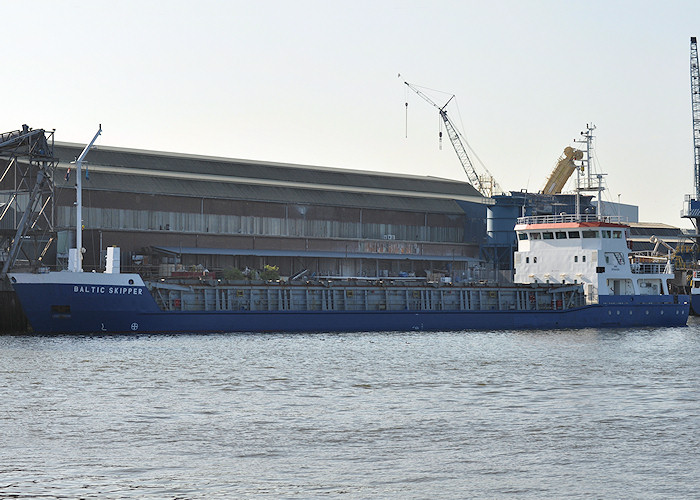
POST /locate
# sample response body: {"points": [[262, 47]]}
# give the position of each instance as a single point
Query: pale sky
{"points": [[315, 83]]}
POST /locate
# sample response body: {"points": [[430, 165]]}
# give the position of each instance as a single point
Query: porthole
{"points": [[131, 282], [630, 313], [618, 312], [647, 312], [662, 312], [609, 313]]}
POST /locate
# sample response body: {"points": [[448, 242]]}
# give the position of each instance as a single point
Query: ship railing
{"points": [[561, 218], [649, 267]]}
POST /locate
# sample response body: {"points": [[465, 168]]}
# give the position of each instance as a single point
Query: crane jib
{"points": [[485, 184]]}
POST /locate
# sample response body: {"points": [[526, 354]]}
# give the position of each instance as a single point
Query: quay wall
{"points": [[12, 319]]}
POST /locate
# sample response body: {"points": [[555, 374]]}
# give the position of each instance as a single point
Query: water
{"points": [[567, 414]]}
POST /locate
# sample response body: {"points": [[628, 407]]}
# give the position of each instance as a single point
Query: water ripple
{"points": [[543, 414]]}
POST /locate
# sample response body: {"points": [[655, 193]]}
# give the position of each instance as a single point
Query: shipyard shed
{"points": [[174, 213]]}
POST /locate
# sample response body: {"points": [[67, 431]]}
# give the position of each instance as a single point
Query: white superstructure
{"points": [[588, 250]]}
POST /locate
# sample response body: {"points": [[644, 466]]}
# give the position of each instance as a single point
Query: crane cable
{"points": [[406, 119], [406, 99]]}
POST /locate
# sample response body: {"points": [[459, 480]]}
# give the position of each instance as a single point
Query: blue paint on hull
{"points": [[132, 309], [695, 304]]}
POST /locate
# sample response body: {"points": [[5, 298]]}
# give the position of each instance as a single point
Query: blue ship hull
{"points": [[695, 304], [115, 309]]}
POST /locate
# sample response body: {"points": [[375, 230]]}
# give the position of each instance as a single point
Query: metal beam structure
{"points": [[691, 209], [26, 195], [695, 99]]}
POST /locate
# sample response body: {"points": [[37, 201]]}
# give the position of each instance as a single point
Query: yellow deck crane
{"points": [[485, 184], [562, 171]]}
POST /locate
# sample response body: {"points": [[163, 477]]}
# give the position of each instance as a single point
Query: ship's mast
{"points": [[588, 183], [79, 203]]}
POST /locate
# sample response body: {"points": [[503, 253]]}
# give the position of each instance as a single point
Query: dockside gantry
{"points": [[691, 209], [27, 166]]}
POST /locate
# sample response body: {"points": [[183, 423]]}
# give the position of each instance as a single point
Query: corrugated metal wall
{"points": [[124, 219]]}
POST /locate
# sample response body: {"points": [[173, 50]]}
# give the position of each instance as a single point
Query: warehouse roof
{"points": [[647, 229], [152, 172]]}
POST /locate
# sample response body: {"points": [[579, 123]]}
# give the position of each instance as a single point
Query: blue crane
{"points": [[692, 205]]}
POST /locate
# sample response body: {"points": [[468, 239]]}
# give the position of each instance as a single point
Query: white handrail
{"points": [[561, 218]]}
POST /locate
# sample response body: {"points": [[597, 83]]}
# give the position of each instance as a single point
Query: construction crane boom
{"points": [[691, 208], [695, 98], [486, 185]]}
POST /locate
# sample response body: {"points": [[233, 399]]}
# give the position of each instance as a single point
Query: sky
{"points": [[316, 82]]}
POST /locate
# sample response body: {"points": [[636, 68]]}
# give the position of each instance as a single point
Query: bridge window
{"points": [[590, 234], [547, 236], [535, 236], [522, 236], [606, 234], [561, 235], [617, 234], [574, 234]]}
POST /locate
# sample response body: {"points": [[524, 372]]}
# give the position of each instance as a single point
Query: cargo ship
{"points": [[572, 271]]}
